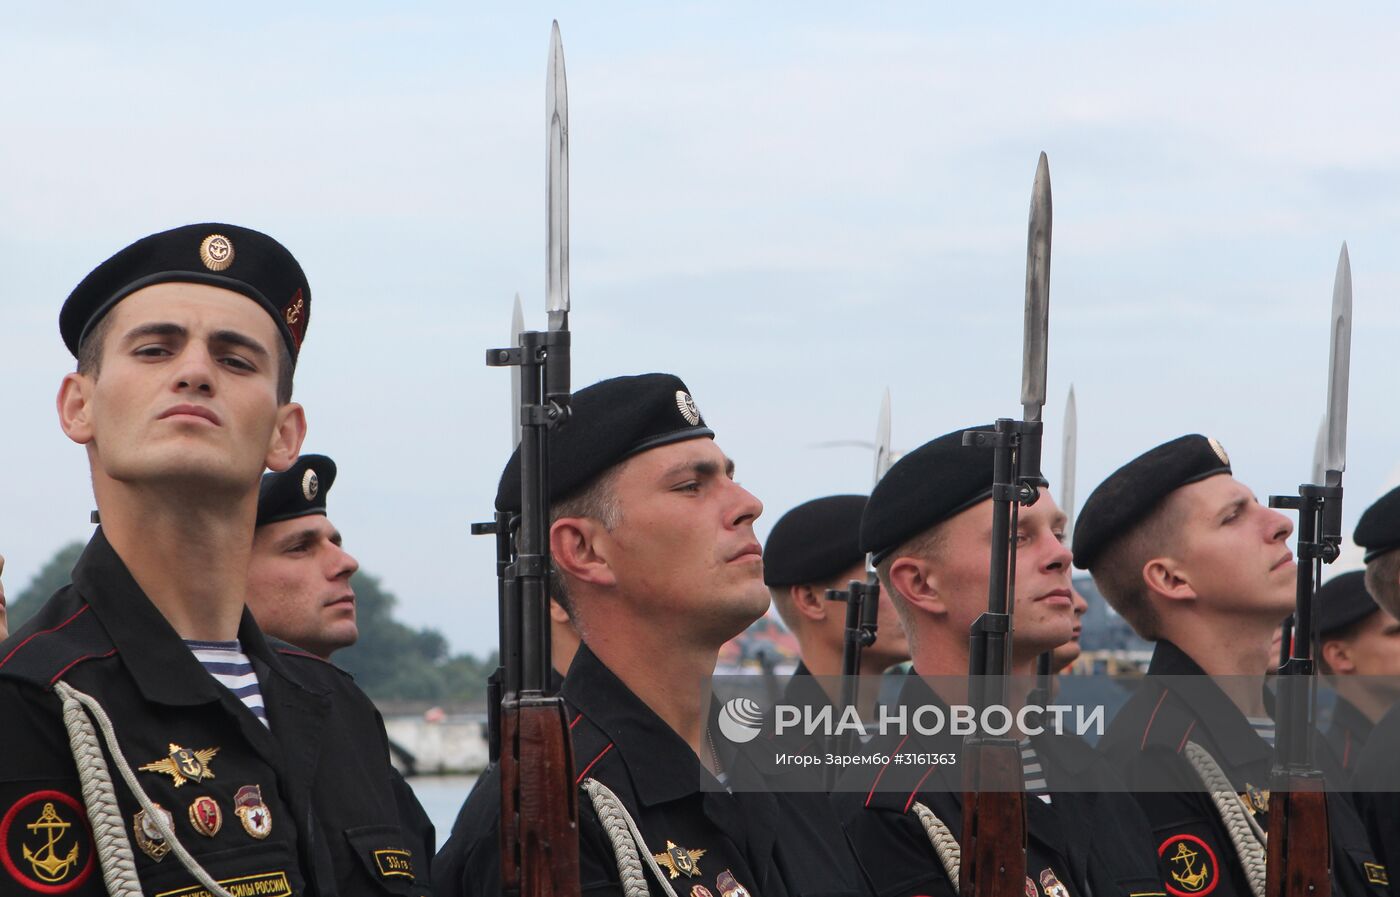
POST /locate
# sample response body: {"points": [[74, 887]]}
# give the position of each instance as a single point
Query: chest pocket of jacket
{"points": [[386, 857]]}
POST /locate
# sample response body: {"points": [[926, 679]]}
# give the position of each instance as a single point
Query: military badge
{"points": [[1376, 874], [1255, 800], [216, 252], [729, 887], [1192, 870], [184, 765], [686, 405], [310, 484], [148, 837], [45, 843], [252, 812], [205, 816], [1030, 888], [1051, 884], [700, 891], [1218, 449], [679, 861]]}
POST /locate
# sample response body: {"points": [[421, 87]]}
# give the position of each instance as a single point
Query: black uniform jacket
{"points": [[1376, 784], [1146, 742], [770, 845], [1347, 735], [306, 808], [1089, 842]]}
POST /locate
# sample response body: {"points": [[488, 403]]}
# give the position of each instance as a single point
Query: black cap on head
{"points": [[1342, 601], [1137, 488], [611, 421], [934, 482], [221, 255], [297, 491], [1379, 528], [814, 541]]}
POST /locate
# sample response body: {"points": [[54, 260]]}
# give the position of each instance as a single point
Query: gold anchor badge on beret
{"points": [[686, 405], [184, 765], [679, 861], [252, 812], [205, 816], [310, 484], [148, 837], [216, 252]]}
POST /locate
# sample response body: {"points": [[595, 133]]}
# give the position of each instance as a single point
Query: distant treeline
{"points": [[391, 661]]}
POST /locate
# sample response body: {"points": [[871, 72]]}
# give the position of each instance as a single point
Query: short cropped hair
{"points": [[595, 500], [1118, 572], [927, 545], [1383, 581]]}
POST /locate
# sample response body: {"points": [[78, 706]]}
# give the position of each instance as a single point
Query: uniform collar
{"points": [[1230, 735], [661, 765], [162, 665]]}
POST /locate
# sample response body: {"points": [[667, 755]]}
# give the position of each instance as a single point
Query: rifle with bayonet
{"points": [[862, 597], [994, 807], [1299, 849], [539, 806]]}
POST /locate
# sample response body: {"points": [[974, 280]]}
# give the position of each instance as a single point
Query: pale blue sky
{"points": [[791, 206]]}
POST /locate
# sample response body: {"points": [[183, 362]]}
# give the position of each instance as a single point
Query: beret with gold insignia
{"points": [[297, 491], [222, 255], [934, 482], [1378, 531], [611, 421], [1135, 490], [814, 541], [1342, 601]]}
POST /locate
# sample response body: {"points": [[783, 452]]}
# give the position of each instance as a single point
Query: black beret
{"points": [[1379, 529], [611, 421], [1137, 488], [934, 482], [1342, 601], [814, 541], [297, 491], [221, 255]]}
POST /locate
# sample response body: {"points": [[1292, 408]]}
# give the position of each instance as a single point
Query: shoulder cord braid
{"points": [[944, 844], [113, 847], [1246, 835], [622, 832]]}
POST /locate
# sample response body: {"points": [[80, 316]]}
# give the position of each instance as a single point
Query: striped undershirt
{"points": [[227, 663], [1032, 771], [1263, 727]]}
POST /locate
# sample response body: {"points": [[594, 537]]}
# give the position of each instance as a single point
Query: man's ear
{"points": [[578, 546], [915, 580], [74, 408], [1166, 577], [284, 447], [809, 601], [1337, 653]]}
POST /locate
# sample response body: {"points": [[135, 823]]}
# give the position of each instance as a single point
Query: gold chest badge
{"points": [[184, 765]]}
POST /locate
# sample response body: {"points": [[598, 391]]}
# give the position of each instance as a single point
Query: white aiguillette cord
{"points": [[100, 797]]}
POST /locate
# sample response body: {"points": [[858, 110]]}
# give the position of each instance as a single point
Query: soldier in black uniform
{"points": [[1358, 649], [813, 548], [128, 763], [1188, 556], [928, 526], [653, 543], [1376, 778]]}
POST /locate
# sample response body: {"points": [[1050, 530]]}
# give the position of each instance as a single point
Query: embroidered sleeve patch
{"points": [[1192, 869], [45, 843], [264, 884], [394, 863], [1376, 874]]}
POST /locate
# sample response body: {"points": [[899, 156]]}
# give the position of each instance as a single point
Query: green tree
{"points": [[53, 576]]}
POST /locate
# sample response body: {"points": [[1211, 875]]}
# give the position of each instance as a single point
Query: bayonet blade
{"points": [[1068, 461], [882, 438], [557, 179], [517, 327], [1319, 465], [1339, 371], [1037, 328]]}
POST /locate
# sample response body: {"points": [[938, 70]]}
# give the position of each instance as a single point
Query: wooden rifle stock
{"points": [[539, 844], [1300, 849], [994, 812]]}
